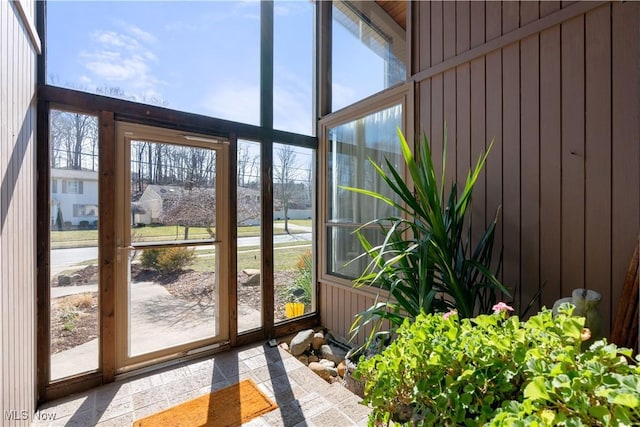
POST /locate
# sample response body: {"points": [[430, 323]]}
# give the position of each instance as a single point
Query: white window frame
{"points": [[403, 95]]}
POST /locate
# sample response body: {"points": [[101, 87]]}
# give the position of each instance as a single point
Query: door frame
{"points": [[109, 111], [125, 133]]}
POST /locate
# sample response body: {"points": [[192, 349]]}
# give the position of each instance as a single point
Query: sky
{"points": [[202, 57]]}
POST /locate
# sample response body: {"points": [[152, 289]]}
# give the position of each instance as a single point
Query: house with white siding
{"points": [[74, 198]]}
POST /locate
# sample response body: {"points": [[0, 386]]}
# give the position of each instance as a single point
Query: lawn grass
{"points": [[88, 238], [285, 257], [301, 222]]}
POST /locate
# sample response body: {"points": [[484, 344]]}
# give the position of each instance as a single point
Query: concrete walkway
{"points": [[158, 321]]}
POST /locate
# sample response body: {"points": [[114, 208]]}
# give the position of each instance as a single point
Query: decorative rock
{"points": [[301, 342], [321, 370], [328, 363], [76, 278], [341, 368], [332, 353], [318, 341], [64, 280], [313, 358], [284, 346], [252, 280], [333, 372], [251, 271], [304, 359]]}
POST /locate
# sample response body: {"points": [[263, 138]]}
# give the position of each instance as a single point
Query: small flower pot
{"points": [[293, 309]]}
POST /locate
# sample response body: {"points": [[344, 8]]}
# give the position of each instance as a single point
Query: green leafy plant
{"points": [[300, 290], [426, 261], [68, 318], [495, 370], [167, 259]]}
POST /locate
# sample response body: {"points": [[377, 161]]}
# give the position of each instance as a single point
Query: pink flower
{"points": [[501, 307], [449, 313]]}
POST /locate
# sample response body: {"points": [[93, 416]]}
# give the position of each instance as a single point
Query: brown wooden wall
{"points": [[17, 216], [556, 86]]}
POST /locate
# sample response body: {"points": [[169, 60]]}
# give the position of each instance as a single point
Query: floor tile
{"points": [[303, 398]]}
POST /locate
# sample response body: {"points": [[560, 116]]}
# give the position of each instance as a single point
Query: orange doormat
{"points": [[229, 406]]}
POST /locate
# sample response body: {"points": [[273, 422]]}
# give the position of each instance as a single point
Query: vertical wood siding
{"points": [[17, 215], [562, 105]]}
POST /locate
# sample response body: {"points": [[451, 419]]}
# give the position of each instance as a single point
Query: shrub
{"points": [[300, 290], [149, 258], [167, 259], [496, 370]]}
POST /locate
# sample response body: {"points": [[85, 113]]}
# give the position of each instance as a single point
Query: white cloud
{"points": [[292, 101], [141, 34], [280, 9], [124, 59], [291, 111], [234, 100], [114, 67], [240, 101]]}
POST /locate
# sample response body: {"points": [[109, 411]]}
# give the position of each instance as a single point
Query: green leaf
{"points": [[536, 390], [626, 399], [600, 412], [572, 327]]}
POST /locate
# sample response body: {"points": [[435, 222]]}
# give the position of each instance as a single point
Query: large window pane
{"points": [[201, 57], [173, 297], [368, 52], [249, 253], [172, 192], [293, 67], [350, 147], [74, 243], [293, 225], [344, 250]]}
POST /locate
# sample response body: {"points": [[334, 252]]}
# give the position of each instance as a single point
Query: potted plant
{"points": [[496, 370], [426, 261]]}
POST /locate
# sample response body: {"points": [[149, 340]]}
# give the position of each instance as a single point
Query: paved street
{"points": [[63, 259]]}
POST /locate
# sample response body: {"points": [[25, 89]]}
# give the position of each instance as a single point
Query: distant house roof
{"points": [[74, 174], [165, 191]]}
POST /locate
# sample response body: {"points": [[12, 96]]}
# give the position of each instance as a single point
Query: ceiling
{"points": [[396, 9]]}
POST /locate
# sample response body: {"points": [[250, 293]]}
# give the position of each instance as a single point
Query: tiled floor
{"points": [[303, 398]]}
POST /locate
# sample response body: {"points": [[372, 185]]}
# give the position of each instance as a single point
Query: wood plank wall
{"points": [[17, 217], [556, 87], [561, 102]]}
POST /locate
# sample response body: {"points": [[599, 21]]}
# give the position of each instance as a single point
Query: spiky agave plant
{"points": [[425, 261]]}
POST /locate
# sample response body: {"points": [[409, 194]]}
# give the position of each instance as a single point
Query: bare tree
{"points": [[74, 137], [284, 175], [192, 208], [309, 183], [248, 205]]}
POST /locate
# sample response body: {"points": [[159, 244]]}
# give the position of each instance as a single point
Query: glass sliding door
{"points": [[172, 244], [73, 236]]}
